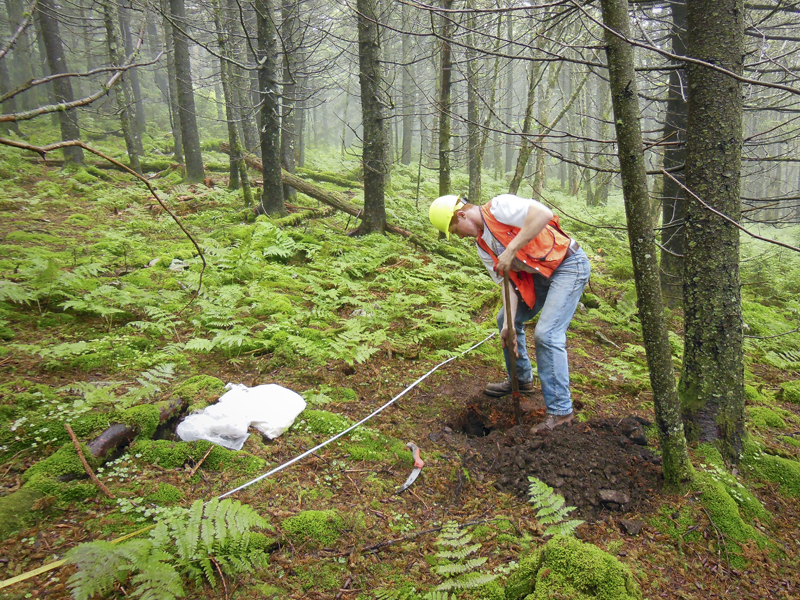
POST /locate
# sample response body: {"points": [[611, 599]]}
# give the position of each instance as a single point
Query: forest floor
{"points": [[477, 462]]}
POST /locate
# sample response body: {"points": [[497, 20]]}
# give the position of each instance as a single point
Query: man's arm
{"points": [[536, 220]]}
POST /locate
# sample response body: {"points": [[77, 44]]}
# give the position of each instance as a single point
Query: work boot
{"points": [[552, 421], [504, 388]]}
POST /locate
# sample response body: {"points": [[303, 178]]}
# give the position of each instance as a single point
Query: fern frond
{"points": [[459, 554], [459, 567], [551, 510], [565, 528], [466, 582]]}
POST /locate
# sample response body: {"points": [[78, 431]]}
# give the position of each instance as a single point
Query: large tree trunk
{"points": [[625, 100], [272, 196], [186, 110], [62, 87], [673, 203], [122, 91], [289, 33], [374, 153], [444, 101], [712, 383]]}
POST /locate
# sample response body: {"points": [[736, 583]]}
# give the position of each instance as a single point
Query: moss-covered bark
{"points": [[712, 382], [677, 467]]}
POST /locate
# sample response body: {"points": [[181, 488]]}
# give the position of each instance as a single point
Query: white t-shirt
{"points": [[511, 210]]}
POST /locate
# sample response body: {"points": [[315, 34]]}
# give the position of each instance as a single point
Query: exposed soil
{"points": [[601, 466]]}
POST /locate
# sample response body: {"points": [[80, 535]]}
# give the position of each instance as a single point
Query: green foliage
{"points": [[790, 392], [784, 471], [209, 540], [762, 417], [453, 561], [550, 509], [322, 526], [166, 494]]}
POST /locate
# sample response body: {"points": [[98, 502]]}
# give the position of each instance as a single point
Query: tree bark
{"points": [[133, 74], [23, 54], [272, 196], [525, 147], [190, 135], [712, 383], [676, 465], [409, 99], [474, 154], [122, 91], [444, 101], [673, 203], [62, 87], [172, 84], [289, 33], [374, 144]]}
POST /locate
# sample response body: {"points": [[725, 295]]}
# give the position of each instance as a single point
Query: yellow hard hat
{"points": [[442, 210]]}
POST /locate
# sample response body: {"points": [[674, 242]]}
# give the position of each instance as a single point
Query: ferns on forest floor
{"points": [[550, 509], [211, 540]]}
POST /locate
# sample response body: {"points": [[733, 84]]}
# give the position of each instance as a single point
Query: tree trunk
{"points": [[509, 91], [673, 203], [10, 105], [62, 87], [409, 97], [186, 110], [474, 155], [374, 153], [676, 465], [272, 196], [712, 383], [289, 32], [172, 84], [23, 55], [122, 91], [525, 147], [154, 46], [133, 75], [238, 172], [444, 101]]}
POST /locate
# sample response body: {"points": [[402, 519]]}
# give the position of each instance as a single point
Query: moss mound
{"points": [[568, 568], [323, 526], [199, 391], [165, 494], [172, 455], [762, 417], [780, 470], [63, 463], [790, 392]]}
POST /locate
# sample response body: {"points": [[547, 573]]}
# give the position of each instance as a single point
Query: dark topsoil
{"points": [[601, 466]]}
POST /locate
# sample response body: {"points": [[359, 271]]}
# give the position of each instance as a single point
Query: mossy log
{"points": [[148, 166], [329, 178], [42, 479]]}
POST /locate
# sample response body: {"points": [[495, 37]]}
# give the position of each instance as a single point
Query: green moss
{"points": [[6, 334], [368, 444], [568, 568], [791, 441], [16, 510], [790, 392], [199, 391], [145, 418], [322, 526], [752, 394], [762, 417], [66, 492], [172, 455], [780, 470], [676, 527], [749, 505], [63, 463], [82, 176], [322, 422], [165, 494], [320, 576]]}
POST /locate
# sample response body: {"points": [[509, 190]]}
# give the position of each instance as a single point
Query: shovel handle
{"points": [[512, 362]]}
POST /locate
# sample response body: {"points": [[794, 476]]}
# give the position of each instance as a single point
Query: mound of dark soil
{"points": [[601, 466]]}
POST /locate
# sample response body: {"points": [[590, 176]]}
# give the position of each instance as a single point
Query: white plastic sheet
{"points": [[269, 408]]}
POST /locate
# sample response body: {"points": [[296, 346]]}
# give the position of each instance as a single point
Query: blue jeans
{"points": [[556, 299]]}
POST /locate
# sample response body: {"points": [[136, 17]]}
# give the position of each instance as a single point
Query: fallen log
{"points": [[334, 199], [17, 507]]}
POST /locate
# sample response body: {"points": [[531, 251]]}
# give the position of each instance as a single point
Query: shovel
{"points": [[513, 353]]}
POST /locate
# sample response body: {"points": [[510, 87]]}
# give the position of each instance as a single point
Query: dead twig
{"points": [[85, 464], [202, 460], [222, 578], [343, 589]]}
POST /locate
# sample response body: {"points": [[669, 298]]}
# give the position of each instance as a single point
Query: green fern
{"points": [[211, 537], [459, 571], [550, 509]]}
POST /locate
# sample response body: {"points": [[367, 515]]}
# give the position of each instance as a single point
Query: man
{"points": [[547, 270]]}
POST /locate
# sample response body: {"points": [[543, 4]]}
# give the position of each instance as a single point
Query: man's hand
{"points": [[504, 261], [509, 337]]}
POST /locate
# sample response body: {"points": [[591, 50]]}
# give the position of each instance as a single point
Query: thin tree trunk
{"points": [[676, 465], [22, 53], [474, 155], [673, 202], [289, 32], [172, 84], [509, 91], [62, 87], [444, 102], [272, 196], [122, 91], [186, 110], [133, 74], [525, 147], [374, 152], [712, 382], [409, 99]]}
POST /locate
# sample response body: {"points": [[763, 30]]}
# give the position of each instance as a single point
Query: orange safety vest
{"points": [[544, 253]]}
